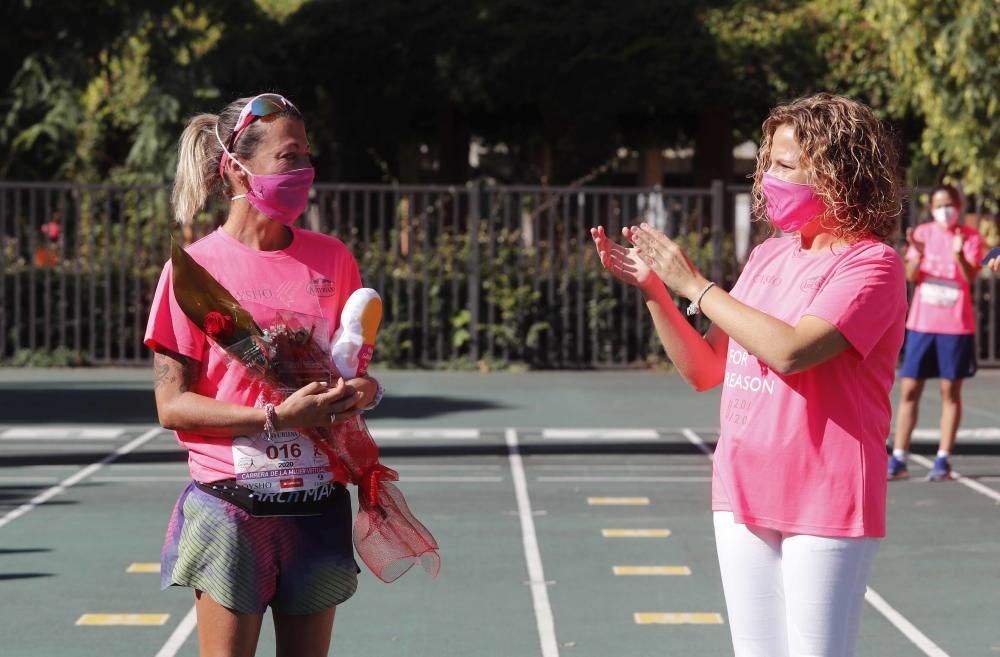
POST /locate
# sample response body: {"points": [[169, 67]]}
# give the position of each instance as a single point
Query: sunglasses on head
{"points": [[265, 107]]}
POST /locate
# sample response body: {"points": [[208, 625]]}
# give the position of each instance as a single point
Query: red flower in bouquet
{"points": [[218, 326]]}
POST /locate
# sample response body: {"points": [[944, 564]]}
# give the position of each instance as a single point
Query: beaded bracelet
{"points": [[269, 417], [379, 392]]}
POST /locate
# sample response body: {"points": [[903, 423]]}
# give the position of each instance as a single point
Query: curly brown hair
{"points": [[851, 158]]}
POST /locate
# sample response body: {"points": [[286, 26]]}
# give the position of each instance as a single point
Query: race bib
{"points": [[285, 463], [939, 292]]}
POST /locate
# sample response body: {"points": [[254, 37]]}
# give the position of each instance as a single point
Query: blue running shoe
{"points": [[941, 471], [897, 469]]}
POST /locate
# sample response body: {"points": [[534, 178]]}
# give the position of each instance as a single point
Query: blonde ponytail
{"points": [[197, 167]]}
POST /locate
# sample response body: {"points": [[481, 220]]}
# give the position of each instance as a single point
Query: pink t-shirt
{"points": [[805, 453], [313, 278], [942, 300]]}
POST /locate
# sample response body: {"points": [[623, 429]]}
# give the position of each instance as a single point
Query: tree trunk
{"points": [[713, 149], [454, 136], [651, 166]]}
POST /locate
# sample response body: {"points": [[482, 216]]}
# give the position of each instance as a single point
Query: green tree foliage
{"points": [[946, 57], [100, 90], [104, 101]]}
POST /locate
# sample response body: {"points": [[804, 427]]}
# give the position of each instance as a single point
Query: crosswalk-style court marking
{"points": [[123, 619], [618, 501], [62, 433], [143, 568], [600, 434], [635, 533], [677, 618], [651, 570]]}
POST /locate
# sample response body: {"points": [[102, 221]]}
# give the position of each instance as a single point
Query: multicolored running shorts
{"points": [[294, 564]]}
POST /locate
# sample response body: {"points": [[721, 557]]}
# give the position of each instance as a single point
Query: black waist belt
{"points": [[296, 503]]}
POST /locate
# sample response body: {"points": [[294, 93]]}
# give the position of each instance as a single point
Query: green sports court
{"points": [[573, 520]]}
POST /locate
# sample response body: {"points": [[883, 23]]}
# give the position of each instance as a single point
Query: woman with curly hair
{"points": [[942, 260], [805, 348]]}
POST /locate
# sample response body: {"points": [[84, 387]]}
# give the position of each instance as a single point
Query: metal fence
{"points": [[474, 276]]}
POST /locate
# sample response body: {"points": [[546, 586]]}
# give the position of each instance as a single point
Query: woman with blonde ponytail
{"points": [[296, 554]]}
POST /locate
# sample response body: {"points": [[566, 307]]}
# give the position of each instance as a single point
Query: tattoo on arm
{"points": [[161, 370], [174, 370]]}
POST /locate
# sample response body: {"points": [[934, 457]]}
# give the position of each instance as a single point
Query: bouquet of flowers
{"points": [[290, 353]]}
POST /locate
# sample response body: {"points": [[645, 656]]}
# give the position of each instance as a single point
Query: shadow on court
{"points": [[55, 404], [72, 404]]}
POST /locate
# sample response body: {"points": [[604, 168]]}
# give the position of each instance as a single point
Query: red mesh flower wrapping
{"points": [[387, 536]]}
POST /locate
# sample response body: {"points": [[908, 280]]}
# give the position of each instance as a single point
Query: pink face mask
{"points": [[790, 206], [280, 196]]}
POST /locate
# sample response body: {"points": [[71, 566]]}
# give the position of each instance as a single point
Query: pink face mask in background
{"points": [[790, 206]]}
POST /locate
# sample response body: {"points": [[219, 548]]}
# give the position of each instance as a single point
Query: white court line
{"points": [[908, 629], [425, 434], [624, 468], [28, 479], [987, 433], [696, 440], [965, 481], [610, 480], [600, 434], [455, 480], [45, 496], [402, 467], [536, 575], [179, 635], [127, 479], [62, 433]]}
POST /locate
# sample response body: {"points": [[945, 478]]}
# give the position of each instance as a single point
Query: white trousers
{"points": [[792, 595]]}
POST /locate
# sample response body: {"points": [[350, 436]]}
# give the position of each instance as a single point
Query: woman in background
{"points": [[942, 260]]}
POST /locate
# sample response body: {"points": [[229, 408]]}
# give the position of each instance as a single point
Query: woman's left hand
{"points": [[362, 395], [667, 260]]}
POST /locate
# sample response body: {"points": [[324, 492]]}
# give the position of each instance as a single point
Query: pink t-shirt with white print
{"points": [[312, 278], [942, 299], [805, 453]]}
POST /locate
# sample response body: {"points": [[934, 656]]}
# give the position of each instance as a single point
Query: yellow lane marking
{"points": [[143, 568], [635, 533], [652, 570], [618, 501], [682, 618], [123, 619]]}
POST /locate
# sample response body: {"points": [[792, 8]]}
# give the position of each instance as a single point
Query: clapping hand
{"points": [[667, 260], [621, 262]]}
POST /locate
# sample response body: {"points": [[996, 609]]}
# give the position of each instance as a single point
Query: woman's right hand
{"points": [[315, 404], [621, 262]]}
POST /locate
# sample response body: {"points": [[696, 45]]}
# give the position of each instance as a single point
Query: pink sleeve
{"points": [[352, 275], [973, 248], [912, 253], [168, 326], [863, 297]]}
